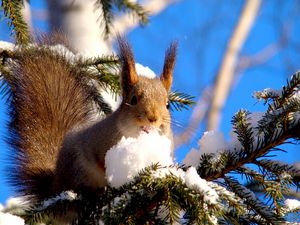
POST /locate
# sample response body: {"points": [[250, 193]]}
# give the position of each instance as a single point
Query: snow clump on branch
{"points": [[210, 142], [7, 218], [134, 154], [124, 160], [15, 205], [292, 204]]}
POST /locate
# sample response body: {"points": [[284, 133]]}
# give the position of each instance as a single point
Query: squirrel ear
{"points": [[128, 74], [170, 57]]}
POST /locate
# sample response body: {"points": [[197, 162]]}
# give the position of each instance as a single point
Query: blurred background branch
{"points": [[225, 74]]}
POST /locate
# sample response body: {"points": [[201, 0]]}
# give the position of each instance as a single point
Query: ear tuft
{"points": [[128, 74], [170, 58]]}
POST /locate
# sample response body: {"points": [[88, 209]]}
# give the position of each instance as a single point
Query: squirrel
{"points": [[57, 145]]}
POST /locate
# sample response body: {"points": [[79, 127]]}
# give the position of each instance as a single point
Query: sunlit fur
{"points": [[57, 146]]}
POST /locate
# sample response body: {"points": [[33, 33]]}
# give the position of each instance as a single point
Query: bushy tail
{"points": [[49, 99]]}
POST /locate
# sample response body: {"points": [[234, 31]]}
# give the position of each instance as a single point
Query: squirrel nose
{"points": [[152, 119]]}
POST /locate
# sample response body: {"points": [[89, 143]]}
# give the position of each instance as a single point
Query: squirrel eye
{"points": [[168, 105], [133, 100]]}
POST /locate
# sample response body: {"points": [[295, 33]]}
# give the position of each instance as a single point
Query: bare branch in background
{"points": [[226, 72], [266, 53], [199, 113], [26, 12], [259, 58], [40, 14]]}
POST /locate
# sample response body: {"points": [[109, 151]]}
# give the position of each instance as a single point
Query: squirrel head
{"points": [[145, 101]]}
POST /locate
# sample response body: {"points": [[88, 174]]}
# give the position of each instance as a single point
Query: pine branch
{"points": [[5, 56], [101, 105], [97, 72], [106, 74], [12, 10], [231, 160], [151, 198], [280, 123], [107, 7], [180, 100], [244, 131], [278, 99], [268, 216], [259, 188], [290, 89], [269, 138], [134, 7], [172, 206], [6, 75], [280, 169], [154, 198], [56, 207], [82, 71], [107, 14], [96, 61], [272, 184], [267, 95]]}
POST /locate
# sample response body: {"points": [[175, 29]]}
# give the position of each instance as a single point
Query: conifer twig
{"points": [[13, 11]]}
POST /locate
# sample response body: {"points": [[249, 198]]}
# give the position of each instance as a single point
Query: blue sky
{"points": [[202, 29]]}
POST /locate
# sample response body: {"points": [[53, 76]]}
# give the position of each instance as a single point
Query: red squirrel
{"points": [[56, 145]]}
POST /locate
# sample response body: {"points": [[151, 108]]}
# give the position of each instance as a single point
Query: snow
{"points": [[64, 51], [7, 45], [210, 142], [13, 205], [296, 94], [268, 92], [213, 219], [112, 99], [134, 154], [66, 195], [192, 158], [254, 117], [7, 218], [165, 171], [292, 204], [144, 71], [285, 176], [193, 180], [297, 165]]}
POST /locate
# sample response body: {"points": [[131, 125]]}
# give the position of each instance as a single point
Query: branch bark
{"points": [[227, 68], [230, 166]]}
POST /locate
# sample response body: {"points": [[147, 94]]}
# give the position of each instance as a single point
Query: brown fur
{"points": [[87, 147], [51, 103], [48, 101], [167, 77], [129, 75]]}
